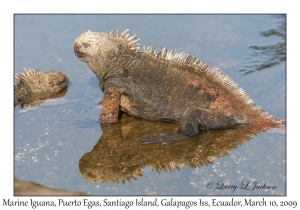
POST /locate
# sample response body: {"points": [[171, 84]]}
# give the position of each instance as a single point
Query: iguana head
{"points": [[90, 44], [57, 81], [34, 86], [52, 81]]}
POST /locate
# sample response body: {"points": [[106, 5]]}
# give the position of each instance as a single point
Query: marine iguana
{"points": [[165, 85], [34, 86]]}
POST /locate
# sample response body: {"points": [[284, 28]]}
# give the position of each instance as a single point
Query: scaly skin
{"points": [[166, 86], [33, 86]]}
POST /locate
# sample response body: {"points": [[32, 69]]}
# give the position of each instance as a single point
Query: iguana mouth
{"points": [[78, 52], [61, 86]]}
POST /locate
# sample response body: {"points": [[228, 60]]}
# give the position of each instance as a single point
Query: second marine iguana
{"points": [[34, 86], [166, 86]]}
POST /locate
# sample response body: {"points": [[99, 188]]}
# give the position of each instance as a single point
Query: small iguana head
{"points": [[57, 81], [35, 86], [52, 81]]}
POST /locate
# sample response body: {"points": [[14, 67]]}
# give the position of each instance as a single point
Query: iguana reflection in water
{"points": [[118, 155]]}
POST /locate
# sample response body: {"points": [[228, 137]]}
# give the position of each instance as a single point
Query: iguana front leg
{"points": [[110, 106]]}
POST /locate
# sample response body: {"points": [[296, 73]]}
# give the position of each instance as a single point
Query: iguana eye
{"points": [[85, 45]]}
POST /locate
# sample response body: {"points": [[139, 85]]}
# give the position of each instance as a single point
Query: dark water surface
{"points": [[60, 144]]}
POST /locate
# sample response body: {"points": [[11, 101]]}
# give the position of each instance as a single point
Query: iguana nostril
{"points": [[77, 47]]}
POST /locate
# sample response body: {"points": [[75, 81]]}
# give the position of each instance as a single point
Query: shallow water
{"points": [[52, 140]]}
